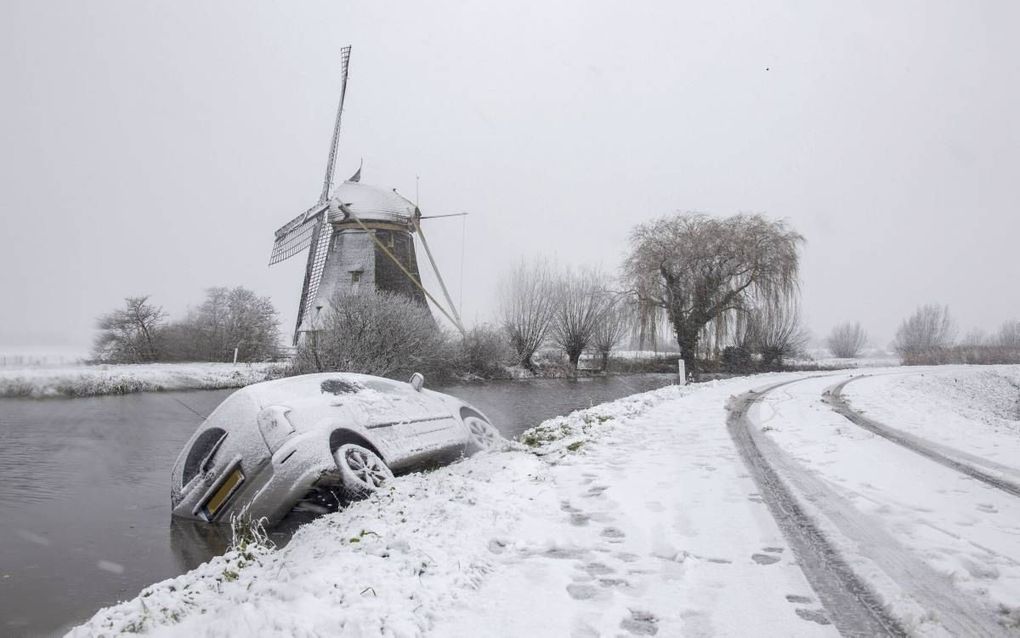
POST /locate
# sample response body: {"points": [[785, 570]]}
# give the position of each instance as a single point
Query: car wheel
{"points": [[482, 435], [361, 471]]}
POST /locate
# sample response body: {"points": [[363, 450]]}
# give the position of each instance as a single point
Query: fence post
{"points": [[682, 371]]}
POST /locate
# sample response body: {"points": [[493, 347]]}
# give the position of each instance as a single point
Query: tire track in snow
{"points": [[942, 454], [853, 605]]}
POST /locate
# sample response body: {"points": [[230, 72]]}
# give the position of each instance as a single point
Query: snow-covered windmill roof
{"points": [[371, 203]]}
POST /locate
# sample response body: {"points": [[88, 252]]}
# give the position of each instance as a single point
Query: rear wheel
{"points": [[361, 471], [482, 435]]}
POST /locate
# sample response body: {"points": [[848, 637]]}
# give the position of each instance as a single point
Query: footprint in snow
{"points": [[497, 546], [764, 559], [598, 569], [640, 623], [613, 582], [579, 520], [987, 508], [596, 490], [794, 598], [613, 532], [773, 550], [582, 591]]}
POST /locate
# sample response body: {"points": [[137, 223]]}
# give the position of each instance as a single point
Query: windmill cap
{"points": [[373, 203]]}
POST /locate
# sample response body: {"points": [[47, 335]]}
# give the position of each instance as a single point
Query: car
{"points": [[315, 442]]}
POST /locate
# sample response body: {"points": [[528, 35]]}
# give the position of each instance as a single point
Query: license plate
{"points": [[223, 493]]}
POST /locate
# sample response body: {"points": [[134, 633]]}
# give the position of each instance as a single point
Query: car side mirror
{"points": [[417, 381]]}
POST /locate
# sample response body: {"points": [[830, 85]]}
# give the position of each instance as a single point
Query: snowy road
{"points": [[940, 548], [649, 516]]}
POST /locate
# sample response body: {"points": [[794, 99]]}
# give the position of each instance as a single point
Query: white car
{"points": [[314, 442]]}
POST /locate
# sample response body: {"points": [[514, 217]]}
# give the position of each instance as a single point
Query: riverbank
{"points": [[640, 517], [583, 528], [104, 379], [83, 380]]}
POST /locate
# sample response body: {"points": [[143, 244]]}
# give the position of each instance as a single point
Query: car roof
{"points": [[310, 385]]}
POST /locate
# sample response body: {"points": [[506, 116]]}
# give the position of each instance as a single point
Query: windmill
{"points": [[359, 236]]}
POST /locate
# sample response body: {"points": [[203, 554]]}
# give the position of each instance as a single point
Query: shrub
{"points": [[926, 336], [378, 333], [847, 340]]}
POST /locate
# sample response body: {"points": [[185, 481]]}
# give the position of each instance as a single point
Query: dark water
{"points": [[84, 489]]}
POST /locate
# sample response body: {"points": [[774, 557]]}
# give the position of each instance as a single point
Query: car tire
{"points": [[482, 435], [361, 471]]}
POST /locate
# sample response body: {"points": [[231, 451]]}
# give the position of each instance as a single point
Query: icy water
{"points": [[85, 496]]}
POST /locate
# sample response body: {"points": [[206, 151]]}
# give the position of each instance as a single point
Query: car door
{"points": [[411, 424]]}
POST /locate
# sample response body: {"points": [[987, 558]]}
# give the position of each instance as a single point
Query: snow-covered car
{"points": [[313, 442]]}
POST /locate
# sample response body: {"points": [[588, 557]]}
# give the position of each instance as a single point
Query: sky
{"points": [[153, 148]]}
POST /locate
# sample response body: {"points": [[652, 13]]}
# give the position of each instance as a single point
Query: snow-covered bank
{"points": [[975, 409], [94, 380], [635, 517]]}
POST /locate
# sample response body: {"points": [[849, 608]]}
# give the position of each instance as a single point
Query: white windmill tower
{"points": [[359, 236]]}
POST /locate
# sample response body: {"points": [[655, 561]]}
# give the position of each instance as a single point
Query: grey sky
{"points": [[154, 148]]}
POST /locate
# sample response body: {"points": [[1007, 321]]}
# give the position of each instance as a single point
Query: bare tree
{"points": [[1008, 336], [226, 319], [777, 332], [581, 299], [483, 351], [926, 336], [847, 340], [611, 328], [697, 268], [527, 305], [371, 332], [130, 334]]}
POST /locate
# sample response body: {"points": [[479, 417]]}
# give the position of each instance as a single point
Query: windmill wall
{"points": [[355, 263]]}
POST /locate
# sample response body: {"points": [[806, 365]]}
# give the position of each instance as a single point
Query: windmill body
{"points": [[358, 237], [362, 224]]}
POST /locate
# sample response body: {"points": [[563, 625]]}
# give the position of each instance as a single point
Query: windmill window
{"points": [[355, 281]]}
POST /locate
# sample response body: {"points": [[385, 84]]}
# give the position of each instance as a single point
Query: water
{"points": [[84, 489]]}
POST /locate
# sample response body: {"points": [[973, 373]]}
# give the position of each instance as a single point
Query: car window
{"points": [[382, 386], [204, 444]]}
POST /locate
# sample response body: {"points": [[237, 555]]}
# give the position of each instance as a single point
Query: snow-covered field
{"points": [[977, 407], [638, 517], [92, 380]]}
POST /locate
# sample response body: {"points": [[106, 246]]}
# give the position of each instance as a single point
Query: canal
{"points": [[84, 489]]}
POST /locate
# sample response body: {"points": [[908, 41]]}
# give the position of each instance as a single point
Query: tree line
{"points": [[228, 320], [725, 288]]}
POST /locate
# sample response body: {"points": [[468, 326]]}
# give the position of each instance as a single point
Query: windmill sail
{"points": [[317, 261], [295, 235], [327, 185]]}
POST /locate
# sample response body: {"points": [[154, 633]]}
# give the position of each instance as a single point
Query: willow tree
{"points": [[700, 269]]}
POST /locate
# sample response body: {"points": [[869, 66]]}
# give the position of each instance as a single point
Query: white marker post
{"points": [[682, 371]]}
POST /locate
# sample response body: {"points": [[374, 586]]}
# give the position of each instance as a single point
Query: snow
{"points": [[92, 380], [595, 529], [978, 407], [940, 548], [637, 517]]}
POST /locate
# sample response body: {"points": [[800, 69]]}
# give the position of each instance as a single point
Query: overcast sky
{"points": [[153, 148]]}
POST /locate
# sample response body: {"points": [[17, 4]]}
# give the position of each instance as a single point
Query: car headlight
{"points": [[274, 426]]}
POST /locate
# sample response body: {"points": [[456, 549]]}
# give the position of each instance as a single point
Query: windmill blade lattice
{"points": [[295, 235], [320, 249]]}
